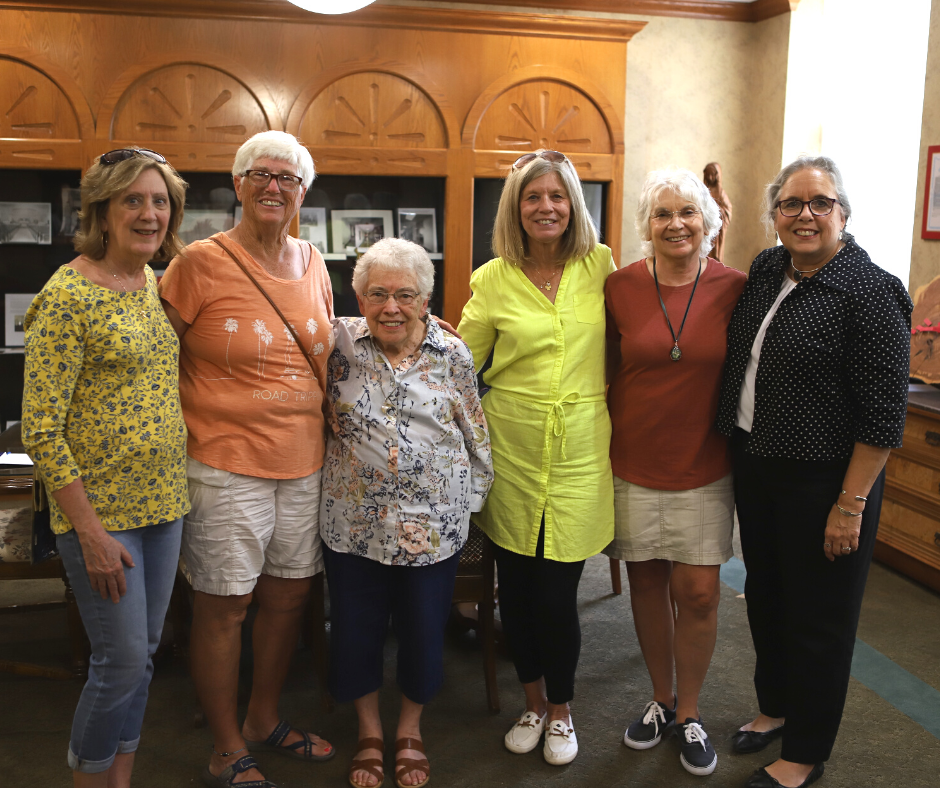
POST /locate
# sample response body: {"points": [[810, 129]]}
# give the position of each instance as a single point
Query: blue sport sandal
{"points": [[301, 749], [225, 778]]}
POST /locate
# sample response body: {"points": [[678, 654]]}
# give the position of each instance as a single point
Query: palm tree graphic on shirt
{"points": [[264, 336], [231, 325], [317, 348]]}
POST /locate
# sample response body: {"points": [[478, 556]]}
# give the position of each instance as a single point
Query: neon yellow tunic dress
{"points": [[547, 417]]}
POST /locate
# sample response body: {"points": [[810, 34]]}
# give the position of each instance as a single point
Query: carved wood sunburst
{"points": [[375, 110], [32, 106], [543, 114], [187, 103]]}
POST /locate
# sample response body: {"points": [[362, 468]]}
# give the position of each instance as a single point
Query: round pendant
{"points": [[675, 354], [797, 274]]}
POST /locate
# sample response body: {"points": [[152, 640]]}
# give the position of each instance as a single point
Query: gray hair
{"points": [[277, 145], [689, 187], [805, 162], [395, 254]]}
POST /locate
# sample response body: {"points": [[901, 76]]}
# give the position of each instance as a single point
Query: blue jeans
{"points": [[123, 638]]}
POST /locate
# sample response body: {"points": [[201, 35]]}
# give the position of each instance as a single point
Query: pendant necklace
{"points": [[675, 354], [798, 274], [547, 287], [142, 313]]}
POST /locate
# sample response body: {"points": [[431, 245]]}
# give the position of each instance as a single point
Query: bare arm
{"points": [[844, 530], [180, 326]]}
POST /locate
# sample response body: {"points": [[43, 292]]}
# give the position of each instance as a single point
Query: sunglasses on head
{"points": [[549, 155], [123, 154]]}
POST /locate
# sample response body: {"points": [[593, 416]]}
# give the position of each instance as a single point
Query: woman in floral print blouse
{"points": [[407, 461], [102, 422]]}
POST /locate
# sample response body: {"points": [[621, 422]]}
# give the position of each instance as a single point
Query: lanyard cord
{"points": [[676, 354]]}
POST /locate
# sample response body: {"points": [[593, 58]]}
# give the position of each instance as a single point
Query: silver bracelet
{"points": [[857, 497], [847, 513]]}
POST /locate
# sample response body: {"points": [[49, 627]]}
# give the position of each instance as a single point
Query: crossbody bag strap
{"points": [[264, 292]]}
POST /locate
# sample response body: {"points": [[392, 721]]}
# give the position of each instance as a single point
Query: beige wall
{"points": [[700, 90], [925, 255]]}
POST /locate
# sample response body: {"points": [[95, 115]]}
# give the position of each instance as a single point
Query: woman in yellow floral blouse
{"points": [[102, 422]]}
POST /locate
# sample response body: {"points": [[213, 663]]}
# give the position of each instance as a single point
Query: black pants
{"points": [[538, 605], [802, 608]]}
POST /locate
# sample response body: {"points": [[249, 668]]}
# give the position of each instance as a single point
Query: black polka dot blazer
{"points": [[835, 360]]}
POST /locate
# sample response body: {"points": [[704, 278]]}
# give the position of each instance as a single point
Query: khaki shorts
{"points": [[690, 526], [243, 526]]}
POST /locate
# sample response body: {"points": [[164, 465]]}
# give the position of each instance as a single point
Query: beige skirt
{"points": [[689, 526]]}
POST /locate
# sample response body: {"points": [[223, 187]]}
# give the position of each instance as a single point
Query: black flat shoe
{"points": [[760, 778], [754, 741]]}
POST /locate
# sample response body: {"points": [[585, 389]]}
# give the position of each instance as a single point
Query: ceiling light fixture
{"points": [[331, 6]]}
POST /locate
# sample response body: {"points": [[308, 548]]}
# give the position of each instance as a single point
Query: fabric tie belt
{"points": [[557, 422]]}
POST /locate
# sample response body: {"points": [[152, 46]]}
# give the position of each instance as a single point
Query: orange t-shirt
{"points": [[663, 411], [251, 402]]}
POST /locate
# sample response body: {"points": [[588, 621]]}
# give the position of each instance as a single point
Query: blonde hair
{"points": [[102, 182], [511, 242]]}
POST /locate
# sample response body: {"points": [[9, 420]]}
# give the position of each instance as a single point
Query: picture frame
{"points": [[26, 223], [14, 310], [419, 225], [199, 224], [930, 229], [313, 228], [71, 205], [356, 230]]}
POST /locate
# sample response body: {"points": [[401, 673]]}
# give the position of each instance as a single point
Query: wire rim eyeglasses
{"points": [[684, 214], [549, 155], [402, 297], [123, 154], [818, 206], [285, 182]]}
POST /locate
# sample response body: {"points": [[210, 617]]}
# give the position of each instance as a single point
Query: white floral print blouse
{"points": [[408, 451]]}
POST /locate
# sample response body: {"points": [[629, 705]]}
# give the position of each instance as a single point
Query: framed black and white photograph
{"points": [[25, 223], [71, 204], [198, 224], [354, 231], [419, 225], [15, 306], [313, 227]]}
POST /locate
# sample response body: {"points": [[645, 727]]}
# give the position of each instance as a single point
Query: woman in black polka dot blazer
{"points": [[811, 425]]}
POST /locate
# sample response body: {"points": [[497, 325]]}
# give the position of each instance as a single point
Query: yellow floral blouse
{"points": [[101, 401]]}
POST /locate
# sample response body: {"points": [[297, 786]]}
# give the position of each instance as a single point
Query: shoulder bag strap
{"points": [[263, 292]]}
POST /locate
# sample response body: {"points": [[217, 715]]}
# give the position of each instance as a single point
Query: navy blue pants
{"points": [[363, 593]]}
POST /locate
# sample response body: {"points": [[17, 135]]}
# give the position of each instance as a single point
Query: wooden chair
{"points": [[16, 493], [476, 582]]}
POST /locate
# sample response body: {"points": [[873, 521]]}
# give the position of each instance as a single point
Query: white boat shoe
{"points": [[525, 734], [561, 743]]}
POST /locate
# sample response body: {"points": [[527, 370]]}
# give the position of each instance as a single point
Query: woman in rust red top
{"points": [[667, 318]]}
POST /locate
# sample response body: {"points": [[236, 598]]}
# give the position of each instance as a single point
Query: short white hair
{"points": [[688, 186], [278, 145], [395, 254]]}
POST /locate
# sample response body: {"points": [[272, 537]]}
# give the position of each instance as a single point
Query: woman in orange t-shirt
{"points": [[667, 319], [253, 406]]}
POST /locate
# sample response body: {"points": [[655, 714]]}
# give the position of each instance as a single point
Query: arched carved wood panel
{"points": [[543, 114], [373, 109], [187, 103], [39, 122]]}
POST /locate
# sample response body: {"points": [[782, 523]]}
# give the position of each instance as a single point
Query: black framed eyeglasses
{"points": [[549, 155], [403, 297], [818, 206], [123, 154], [261, 178]]}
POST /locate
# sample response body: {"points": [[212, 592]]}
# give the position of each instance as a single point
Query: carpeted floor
{"points": [[877, 746]]}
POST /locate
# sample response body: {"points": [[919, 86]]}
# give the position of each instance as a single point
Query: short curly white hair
{"points": [[395, 254], [278, 145], [689, 187]]}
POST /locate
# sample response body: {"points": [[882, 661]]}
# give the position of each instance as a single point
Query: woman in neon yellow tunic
{"points": [[539, 308]]}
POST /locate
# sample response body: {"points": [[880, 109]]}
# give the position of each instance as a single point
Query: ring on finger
{"points": [[846, 549], [827, 544]]}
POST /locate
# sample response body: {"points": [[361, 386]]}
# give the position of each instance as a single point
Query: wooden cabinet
{"points": [[909, 531], [446, 95]]}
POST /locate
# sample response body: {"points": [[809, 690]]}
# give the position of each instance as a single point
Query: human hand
{"points": [[105, 558], [842, 532], [446, 326]]}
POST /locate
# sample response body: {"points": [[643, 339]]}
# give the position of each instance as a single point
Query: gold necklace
{"points": [[547, 286], [141, 311]]}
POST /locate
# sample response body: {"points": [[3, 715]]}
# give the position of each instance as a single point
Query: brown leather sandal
{"points": [[374, 766], [405, 765]]}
